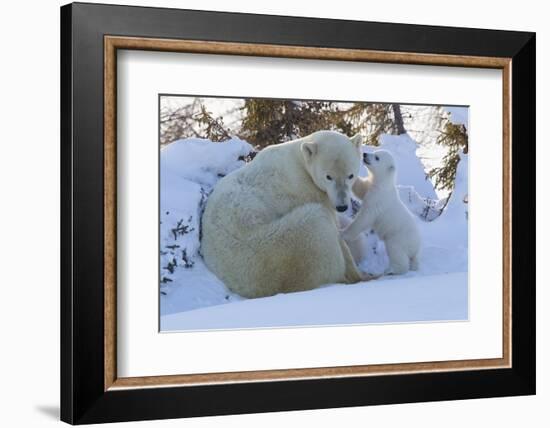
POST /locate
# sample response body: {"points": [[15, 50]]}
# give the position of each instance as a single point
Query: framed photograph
{"points": [[267, 213]]}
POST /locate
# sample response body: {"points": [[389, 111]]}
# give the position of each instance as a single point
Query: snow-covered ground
{"points": [[192, 298], [404, 299]]}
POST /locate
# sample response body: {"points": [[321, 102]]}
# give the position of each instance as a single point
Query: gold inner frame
{"points": [[113, 43]]}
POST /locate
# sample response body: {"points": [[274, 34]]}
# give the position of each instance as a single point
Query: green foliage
{"points": [[455, 137]]}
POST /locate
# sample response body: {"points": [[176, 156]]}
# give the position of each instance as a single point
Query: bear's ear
{"points": [[357, 140], [309, 149]]}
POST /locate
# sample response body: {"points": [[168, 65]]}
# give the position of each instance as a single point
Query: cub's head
{"points": [[380, 163], [333, 161]]}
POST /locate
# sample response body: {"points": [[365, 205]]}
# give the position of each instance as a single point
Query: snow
{"points": [[410, 170], [407, 299], [189, 170], [192, 298], [202, 161], [424, 124], [451, 228]]}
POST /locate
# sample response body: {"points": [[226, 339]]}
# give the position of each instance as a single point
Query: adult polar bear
{"points": [[271, 226]]}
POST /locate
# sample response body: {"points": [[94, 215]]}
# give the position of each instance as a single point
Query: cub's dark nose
{"points": [[341, 208]]}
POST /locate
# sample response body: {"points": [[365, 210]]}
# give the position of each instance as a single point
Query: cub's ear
{"points": [[357, 140], [309, 149]]}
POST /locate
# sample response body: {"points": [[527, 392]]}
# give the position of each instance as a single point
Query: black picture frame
{"points": [[83, 398]]}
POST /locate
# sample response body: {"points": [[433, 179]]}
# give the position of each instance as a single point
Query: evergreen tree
{"points": [[212, 128], [268, 122], [455, 137]]}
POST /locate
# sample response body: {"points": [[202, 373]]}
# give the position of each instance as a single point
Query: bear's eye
{"points": [[377, 158], [329, 178], [350, 176]]}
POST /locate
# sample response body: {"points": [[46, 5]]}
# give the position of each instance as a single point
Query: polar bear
{"points": [[270, 227], [384, 212]]}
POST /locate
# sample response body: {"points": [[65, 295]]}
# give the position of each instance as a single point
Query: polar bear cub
{"points": [[384, 212]]}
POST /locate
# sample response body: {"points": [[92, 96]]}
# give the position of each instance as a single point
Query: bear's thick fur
{"points": [[271, 227], [383, 212]]}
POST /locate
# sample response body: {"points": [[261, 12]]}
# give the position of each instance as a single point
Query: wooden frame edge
{"points": [[112, 43], [507, 213], [301, 52], [109, 198], [300, 374]]}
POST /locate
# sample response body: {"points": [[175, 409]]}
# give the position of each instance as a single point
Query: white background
{"points": [[144, 352], [29, 180]]}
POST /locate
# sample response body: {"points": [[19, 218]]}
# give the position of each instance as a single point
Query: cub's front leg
{"points": [[363, 221]]}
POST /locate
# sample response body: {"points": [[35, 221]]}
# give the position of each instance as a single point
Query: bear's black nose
{"points": [[341, 208]]}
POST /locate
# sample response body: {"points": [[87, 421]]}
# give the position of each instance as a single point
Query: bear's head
{"points": [[333, 161], [380, 164]]}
